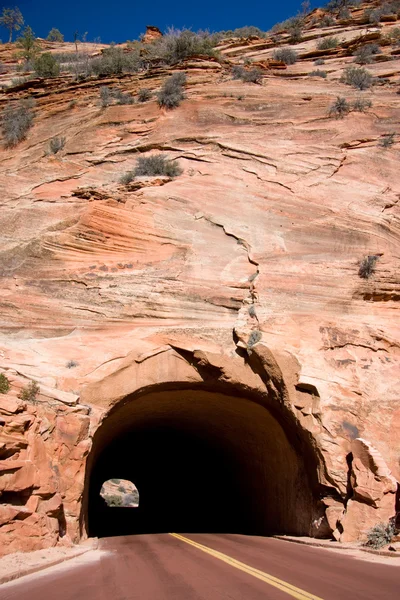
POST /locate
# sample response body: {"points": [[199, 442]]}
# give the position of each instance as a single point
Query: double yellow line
{"points": [[289, 589]]}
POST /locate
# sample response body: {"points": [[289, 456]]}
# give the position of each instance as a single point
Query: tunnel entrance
{"points": [[203, 461]]}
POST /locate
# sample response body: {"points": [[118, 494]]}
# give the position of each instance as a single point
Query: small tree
{"points": [[11, 19], [46, 65], [55, 35], [28, 44]]}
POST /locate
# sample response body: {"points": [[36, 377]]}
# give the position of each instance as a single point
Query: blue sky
{"points": [[121, 20]]}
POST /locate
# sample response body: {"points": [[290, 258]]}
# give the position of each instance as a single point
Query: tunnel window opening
{"points": [[118, 493]]}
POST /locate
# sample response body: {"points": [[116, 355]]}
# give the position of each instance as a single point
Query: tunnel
{"points": [[202, 461]]}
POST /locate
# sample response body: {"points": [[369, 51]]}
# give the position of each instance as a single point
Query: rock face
{"points": [[241, 273]]}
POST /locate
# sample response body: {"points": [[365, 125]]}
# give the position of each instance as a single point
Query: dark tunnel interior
{"points": [[202, 462]]}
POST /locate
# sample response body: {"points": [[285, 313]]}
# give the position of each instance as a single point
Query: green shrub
{"points": [[46, 65], [252, 76], [318, 73], [357, 77], [144, 95], [56, 144], [171, 93], [364, 54], [318, 62], [55, 35], [327, 21], [114, 61], [387, 140], [367, 266], [380, 535], [16, 122], [327, 43], [339, 108], [285, 55], [105, 96], [157, 164], [177, 45], [29, 392], [4, 384], [393, 36], [122, 98], [113, 501], [361, 104], [254, 337]]}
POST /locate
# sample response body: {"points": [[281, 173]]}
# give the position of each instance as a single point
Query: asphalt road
{"points": [[231, 567]]}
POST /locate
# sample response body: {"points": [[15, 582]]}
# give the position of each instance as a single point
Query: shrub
{"points": [[367, 266], [318, 73], [339, 108], [286, 55], [380, 535], [16, 121], [363, 55], [393, 36], [361, 104], [122, 98], [4, 384], [29, 392], [114, 61], [56, 144], [247, 31], [319, 61], [46, 65], [327, 21], [144, 94], [55, 35], [387, 140], [113, 501], [177, 45], [254, 337], [157, 164], [105, 96], [253, 76], [327, 43], [357, 77], [71, 364], [171, 93]]}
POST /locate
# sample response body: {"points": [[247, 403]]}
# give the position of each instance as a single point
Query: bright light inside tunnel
{"points": [[203, 462], [120, 492]]}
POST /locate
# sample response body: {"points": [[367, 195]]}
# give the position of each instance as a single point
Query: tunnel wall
{"points": [[258, 385]]}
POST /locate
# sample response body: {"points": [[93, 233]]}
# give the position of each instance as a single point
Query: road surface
{"points": [[208, 567]]}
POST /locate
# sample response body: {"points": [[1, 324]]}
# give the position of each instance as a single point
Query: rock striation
{"points": [[248, 263]]}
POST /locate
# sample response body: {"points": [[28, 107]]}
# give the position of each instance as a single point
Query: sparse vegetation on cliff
{"points": [[171, 93], [29, 392], [285, 55], [339, 108], [150, 166], [177, 45], [387, 140], [357, 77], [46, 65], [327, 43], [56, 144], [144, 95], [367, 266], [4, 384], [17, 119]]}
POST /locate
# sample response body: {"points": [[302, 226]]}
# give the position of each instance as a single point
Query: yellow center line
{"points": [[270, 579]]}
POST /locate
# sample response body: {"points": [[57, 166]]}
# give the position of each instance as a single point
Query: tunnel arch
{"points": [[235, 433]]}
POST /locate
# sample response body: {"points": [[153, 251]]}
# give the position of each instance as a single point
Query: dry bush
{"points": [[17, 119], [171, 93]]}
